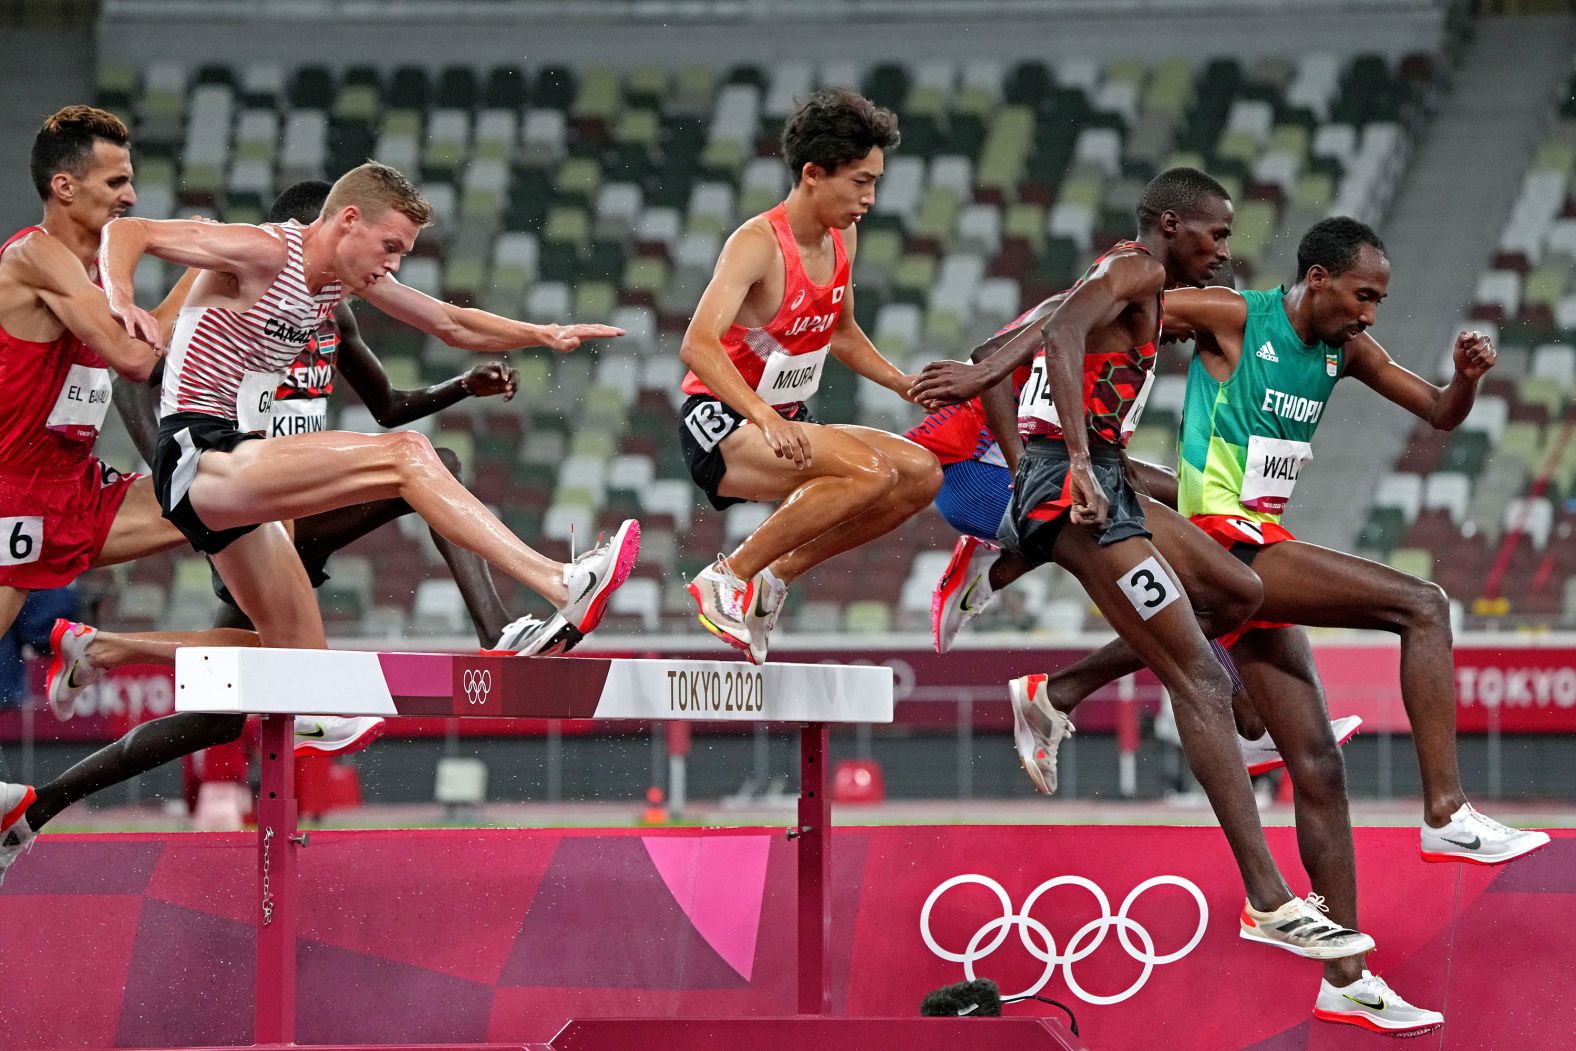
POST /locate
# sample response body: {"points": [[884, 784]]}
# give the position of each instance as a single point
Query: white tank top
{"points": [[221, 361]]}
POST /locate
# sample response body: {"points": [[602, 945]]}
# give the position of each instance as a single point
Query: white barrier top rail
{"points": [[343, 682]]}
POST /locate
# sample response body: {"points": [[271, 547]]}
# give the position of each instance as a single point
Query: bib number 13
{"points": [[1148, 587], [21, 540]]}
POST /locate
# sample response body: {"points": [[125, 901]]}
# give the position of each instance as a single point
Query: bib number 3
{"points": [[21, 540], [1148, 587]]}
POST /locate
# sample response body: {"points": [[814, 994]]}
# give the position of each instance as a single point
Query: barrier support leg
{"points": [[814, 837], [277, 917]]}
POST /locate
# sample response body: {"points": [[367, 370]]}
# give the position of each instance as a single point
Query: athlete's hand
{"points": [[564, 338], [1474, 355], [492, 378], [1089, 502], [943, 383], [141, 325], [789, 440]]}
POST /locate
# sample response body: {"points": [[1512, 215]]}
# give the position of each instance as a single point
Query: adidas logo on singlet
{"points": [[1267, 352]]}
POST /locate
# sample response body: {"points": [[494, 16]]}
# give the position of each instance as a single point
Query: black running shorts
{"points": [[183, 437], [703, 423], [1040, 501]]}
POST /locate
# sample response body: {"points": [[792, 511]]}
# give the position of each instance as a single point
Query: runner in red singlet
{"points": [[62, 510], [1073, 504], [780, 302]]}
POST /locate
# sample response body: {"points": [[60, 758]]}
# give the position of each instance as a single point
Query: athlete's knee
{"points": [[412, 455], [871, 475], [1318, 772]]}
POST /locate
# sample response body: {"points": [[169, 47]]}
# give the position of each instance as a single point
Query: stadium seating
{"points": [[598, 194], [1497, 522]]}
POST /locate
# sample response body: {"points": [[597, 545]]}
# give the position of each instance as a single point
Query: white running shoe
{"points": [[964, 590], [1261, 756], [335, 734], [761, 616], [1370, 1003], [722, 599], [533, 637], [1478, 839], [1038, 730], [70, 671], [594, 576], [1299, 926], [16, 835]]}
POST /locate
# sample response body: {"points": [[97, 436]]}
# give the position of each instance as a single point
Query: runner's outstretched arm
{"points": [[471, 329], [1443, 408], [1000, 401], [395, 408]]}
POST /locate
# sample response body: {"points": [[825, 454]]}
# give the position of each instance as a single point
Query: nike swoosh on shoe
{"points": [[1364, 1003], [315, 733], [1477, 841], [589, 587]]}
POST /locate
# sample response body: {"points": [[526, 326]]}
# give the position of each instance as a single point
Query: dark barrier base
{"points": [[768, 1034], [816, 1034]]}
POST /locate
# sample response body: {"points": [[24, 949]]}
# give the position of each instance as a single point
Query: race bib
{"points": [[791, 377], [1034, 402], [1130, 424], [1271, 473], [254, 401], [298, 416], [84, 399], [21, 540]]}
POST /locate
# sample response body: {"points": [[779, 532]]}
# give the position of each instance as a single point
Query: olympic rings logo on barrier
{"points": [[478, 684], [1079, 947]]}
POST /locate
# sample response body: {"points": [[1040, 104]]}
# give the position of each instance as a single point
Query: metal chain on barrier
{"points": [[268, 897]]}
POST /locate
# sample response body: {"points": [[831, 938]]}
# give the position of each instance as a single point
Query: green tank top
{"points": [[1245, 441]]}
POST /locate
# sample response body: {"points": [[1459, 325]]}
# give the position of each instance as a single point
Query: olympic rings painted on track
{"points": [[1080, 946], [478, 684]]}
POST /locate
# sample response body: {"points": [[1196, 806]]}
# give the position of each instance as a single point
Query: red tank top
{"points": [[802, 326], [1115, 386], [53, 398]]}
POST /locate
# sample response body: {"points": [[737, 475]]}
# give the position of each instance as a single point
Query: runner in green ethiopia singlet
{"points": [[1245, 441]]}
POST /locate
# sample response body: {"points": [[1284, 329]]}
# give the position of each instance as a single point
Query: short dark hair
{"points": [[302, 202], [1334, 243], [833, 127], [65, 143], [1179, 190]]}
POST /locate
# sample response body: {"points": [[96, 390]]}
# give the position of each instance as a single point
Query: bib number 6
{"points": [[21, 540], [1148, 587]]}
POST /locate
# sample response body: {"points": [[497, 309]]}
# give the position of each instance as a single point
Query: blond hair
{"points": [[373, 189]]}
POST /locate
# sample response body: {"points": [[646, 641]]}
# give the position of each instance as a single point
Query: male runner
{"points": [[1073, 505], [83, 653], [976, 486], [781, 299], [264, 294], [300, 405]]}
